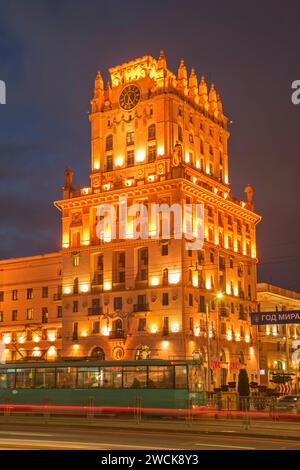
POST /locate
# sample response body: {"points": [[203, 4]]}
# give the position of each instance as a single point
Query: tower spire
{"points": [[193, 85], [212, 98], [182, 80], [203, 94]]}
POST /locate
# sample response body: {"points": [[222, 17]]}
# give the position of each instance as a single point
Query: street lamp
{"points": [[219, 296]]}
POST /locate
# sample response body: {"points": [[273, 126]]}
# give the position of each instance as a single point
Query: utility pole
{"points": [[208, 375]]}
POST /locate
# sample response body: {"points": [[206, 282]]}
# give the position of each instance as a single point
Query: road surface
{"points": [[49, 437]]}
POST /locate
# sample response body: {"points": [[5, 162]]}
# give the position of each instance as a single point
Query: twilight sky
{"points": [[49, 54]]}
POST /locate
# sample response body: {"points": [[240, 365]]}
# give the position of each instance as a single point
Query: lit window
{"points": [[130, 138], [151, 132], [76, 260], [109, 143]]}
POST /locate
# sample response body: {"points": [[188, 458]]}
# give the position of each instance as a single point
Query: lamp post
{"points": [[219, 296]]}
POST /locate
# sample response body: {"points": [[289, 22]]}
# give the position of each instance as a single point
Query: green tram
{"points": [[155, 383]]}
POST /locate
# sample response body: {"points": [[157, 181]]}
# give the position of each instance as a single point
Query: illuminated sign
{"points": [[275, 318]]}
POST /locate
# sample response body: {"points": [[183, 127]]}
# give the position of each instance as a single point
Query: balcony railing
{"points": [[141, 307], [117, 334], [95, 311]]}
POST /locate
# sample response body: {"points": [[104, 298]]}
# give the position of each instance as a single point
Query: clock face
{"points": [[129, 97]]}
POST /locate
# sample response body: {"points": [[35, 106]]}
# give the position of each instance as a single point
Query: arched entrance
{"points": [[98, 353]]}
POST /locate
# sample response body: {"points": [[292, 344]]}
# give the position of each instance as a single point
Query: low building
{"points": [[31, 306], [278, 344]]}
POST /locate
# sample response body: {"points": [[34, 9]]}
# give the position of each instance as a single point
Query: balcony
{"points": [[57, 296], [141, 308], [95, 311], [117, 334]]}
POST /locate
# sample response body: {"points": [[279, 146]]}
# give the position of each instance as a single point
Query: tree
{"points": [[243, 384]]}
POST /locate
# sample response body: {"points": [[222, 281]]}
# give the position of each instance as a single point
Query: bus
{"points": [[168, 384]]}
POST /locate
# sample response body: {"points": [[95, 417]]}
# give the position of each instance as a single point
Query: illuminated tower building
{"points": [[162, 138]]}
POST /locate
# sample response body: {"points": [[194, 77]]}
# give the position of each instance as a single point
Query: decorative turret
{"points": [[212, 99], [193, 85], [99, 87], [107, 92], [68, 184], [162, 63], [98, 97], [203, 95], [249, 191], [219, 104], [182, 81]]}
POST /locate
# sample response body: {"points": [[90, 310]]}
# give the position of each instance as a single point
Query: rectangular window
{"points": [[75, 306], [15, 294], [142, 324], [1, 296], [66, 377], [45, 377], [30, 314], [118, 303], [180, 137], [29, 294], [96, 327], [1, 316], [202, 304], [181, 377], [44, 315], [130, 157], [75, 330], [135, 377], [130, 138], [165, 298], [59, 311], [166, 326], [161, 377], [24, 378], [151, 132], [88, 377], [14, 315], [45, 292], [109, 163], [190, 300], [165, 250], [151, 153], [76, 260]]}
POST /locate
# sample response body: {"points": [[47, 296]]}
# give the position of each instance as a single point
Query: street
{"points": [[49, 437]]}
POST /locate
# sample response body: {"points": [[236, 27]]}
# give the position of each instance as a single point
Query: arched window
{"points": [[98, 353], [118, 328], [109, 143], [152, 132]]}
